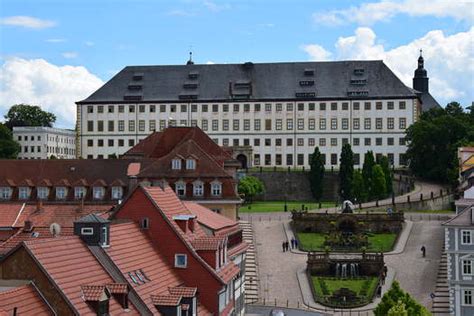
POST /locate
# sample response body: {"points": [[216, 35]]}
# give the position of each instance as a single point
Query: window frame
{"points": [[176, 260]]}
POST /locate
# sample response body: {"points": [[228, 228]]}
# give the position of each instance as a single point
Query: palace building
{"points": [[271, 114]]}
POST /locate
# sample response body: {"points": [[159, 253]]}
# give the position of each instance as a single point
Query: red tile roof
{"points": [[207, 243], [26, 299], [212, 220], [117, 288], [92, 293], [166, 300], [228, 272], [34, 234], [131, 250], [70, 264], [159, 144], [187, 292], [240, 248], [9, 213]]}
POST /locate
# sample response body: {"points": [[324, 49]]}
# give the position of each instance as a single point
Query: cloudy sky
{"points": [[54, 52]]}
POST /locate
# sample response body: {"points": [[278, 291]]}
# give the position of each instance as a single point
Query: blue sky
{"points": [[39, 40]]}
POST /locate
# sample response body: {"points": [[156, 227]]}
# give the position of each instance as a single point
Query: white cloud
{"points": [[316, 52], [449, 59], [210, 62], [27, 22], [69, 55], [89, 43], [54, 88], [370, 12], [212, 6], [55, 40], [182, 13]]}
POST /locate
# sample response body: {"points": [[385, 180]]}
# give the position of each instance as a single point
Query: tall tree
{"points": [[379, 187], [250, 187], [316, 174], [358, 188], [395, 297], [434, 139], [28, 115], [346, 172], [369, 162], [385, 164], [8, 147]]}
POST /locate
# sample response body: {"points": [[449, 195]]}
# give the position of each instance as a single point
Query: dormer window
{"points": [[42, 193], [176, 164], [180, 188], [190, 164], [98, 193], [5, 193], [61, 193], [198, 188], [117, 193], [79, 192], [216, 189], [24, 193]]}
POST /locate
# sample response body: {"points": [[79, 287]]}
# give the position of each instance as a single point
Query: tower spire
{"points": [[190, 61]]}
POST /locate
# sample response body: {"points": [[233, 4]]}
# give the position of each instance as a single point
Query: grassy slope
{"points": [[377, 242]]}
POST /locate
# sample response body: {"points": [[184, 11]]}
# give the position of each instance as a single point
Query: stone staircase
{"points": [[440, 305], [251, 271]]}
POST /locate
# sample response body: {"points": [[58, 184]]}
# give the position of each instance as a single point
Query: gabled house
{"points": [[459, 245], [201, 260], [22, 298]]}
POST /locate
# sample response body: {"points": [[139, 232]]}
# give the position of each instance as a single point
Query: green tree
{"points": [[398, 309], [8, 147], [395, 297], [434, 139], [369, 162], [346, 172], [379, 187], [385, 164], [28, 115], [250, 187], [358, 188], [316, 174]]}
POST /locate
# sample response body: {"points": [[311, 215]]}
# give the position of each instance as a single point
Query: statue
{"points": [[347, 207]]}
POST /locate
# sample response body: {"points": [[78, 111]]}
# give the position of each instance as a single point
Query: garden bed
{"points": [[382, 242], [324, 287]]}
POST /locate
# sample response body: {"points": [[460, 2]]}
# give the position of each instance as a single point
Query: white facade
{"points": [[281, 134], [38, 142]]}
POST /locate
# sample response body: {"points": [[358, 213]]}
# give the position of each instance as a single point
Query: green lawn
{"points": [[377, 242], [334, 284], [279, 206]]}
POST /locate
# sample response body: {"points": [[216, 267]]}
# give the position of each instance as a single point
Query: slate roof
{"points": [[269, 81], [428, 102], [92, 218], [26, 299]]}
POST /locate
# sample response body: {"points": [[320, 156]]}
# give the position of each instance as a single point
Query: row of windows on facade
{"points": [[467, 266], [58, 139], [257, 124], [49, 149], [198, 188], [247, 107], [277, 159], [322, 142], [61, 193]]}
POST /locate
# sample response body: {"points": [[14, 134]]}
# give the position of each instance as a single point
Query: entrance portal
{"points": [[243, 160]]}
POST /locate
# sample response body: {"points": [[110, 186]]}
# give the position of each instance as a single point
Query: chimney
{"points": [[27, 227]]}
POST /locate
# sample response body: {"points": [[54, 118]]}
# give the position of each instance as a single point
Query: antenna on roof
{"points": [[55, 229], [190, 61]]}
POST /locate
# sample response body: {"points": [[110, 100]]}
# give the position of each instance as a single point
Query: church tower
{"points": [[420, 80]]}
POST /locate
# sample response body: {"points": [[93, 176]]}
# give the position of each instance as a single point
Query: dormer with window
{"points": [[98, 193], [198, 188], [97, 297], [167, 304], [180, 188], [188, 297], [61, 193], [93, 230], [190, 164], [117, 192], [216, 188], [24, 193], [5, 193], [176, 164], [42, 193], [79, 192]]}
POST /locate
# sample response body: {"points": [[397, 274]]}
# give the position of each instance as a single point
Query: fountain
{"points": [[347, 269]]}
